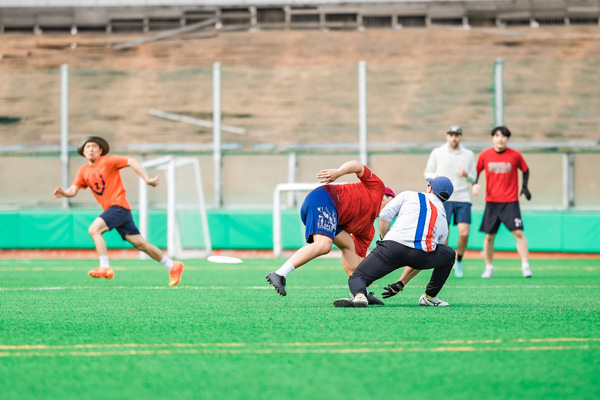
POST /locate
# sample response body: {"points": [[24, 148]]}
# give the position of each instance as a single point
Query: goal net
{"points": [[189, 219]]}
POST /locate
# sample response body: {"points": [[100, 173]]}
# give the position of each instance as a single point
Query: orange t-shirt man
{"points": [[104, 180]]}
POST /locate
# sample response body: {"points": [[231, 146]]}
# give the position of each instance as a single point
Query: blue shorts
{"points": [[319, 215], [119, 218], [461, 211]]}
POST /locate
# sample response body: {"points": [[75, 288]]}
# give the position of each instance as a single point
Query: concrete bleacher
{"points": [[144, 16]]}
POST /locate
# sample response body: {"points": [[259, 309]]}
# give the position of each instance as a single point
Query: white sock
{"points": [[104, 262], [489, 266], [525, 265], [285, 269], [167, 262]]}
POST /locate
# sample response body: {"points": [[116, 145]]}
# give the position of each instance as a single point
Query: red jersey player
{"points": [[101, 174], [338, 214], [502, 197]]}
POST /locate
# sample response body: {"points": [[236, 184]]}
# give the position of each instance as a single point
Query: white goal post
{"points": [[170, 164], [285, 187]]}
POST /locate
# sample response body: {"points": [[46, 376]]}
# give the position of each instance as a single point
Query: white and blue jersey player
{"points": [[415, 240]]}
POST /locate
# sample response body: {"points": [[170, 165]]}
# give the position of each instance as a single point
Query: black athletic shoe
{"points": [[277, 281], [343, 303], [374, 300], [359, 301]]}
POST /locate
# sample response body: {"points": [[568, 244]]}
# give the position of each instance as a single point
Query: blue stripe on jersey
{"points": [[421, 222]]}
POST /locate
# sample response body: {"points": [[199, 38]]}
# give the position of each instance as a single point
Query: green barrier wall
{"points": [[560, 231]]}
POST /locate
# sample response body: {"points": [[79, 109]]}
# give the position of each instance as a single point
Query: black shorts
{"points": [[507, 213], [119, 218]]}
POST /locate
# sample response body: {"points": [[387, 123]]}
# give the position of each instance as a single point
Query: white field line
{"points": [[336, 287], [212, 267], [290, 348], [18, 289], [155, 268], [301, 344], [521, 286]]}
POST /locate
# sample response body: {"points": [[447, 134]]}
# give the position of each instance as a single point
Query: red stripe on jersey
{"points": [[434, 214]]}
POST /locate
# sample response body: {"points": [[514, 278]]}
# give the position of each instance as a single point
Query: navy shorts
{"points": [[461, 211], [119, 218], [319, 215], [507, 213]]}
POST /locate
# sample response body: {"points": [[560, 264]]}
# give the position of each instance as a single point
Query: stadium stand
{"points": [[137, 16]]}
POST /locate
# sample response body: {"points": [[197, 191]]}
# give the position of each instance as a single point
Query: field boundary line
{"points": [[336, 287], [263, 351], [141, 349], [300, 344]]}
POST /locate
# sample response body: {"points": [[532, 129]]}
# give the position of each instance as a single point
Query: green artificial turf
{"points": [[224, 333]]}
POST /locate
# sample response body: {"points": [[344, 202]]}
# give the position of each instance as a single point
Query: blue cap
{"points": [[442, 187]]}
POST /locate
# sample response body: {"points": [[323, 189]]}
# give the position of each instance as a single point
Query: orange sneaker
{"points": [[102, 272], [175, 273]]}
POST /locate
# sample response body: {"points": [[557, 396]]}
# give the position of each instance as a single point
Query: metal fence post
{"points": [[568, 179], [64, 129], [362, 112], [217, 163], [292, 177], [499, 92]]}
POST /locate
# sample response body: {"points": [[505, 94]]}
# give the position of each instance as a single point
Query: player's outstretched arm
{"points": [[70, 192], [408, 274], [394, 288], [137, 167], [350, 167]]}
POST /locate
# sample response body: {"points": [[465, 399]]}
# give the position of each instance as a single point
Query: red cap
{"points": [[389, 192]]}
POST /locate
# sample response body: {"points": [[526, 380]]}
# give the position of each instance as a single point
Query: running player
{"points": [[101, 174], [338, 214], [457, 163], [502, 197], [416, 240]]}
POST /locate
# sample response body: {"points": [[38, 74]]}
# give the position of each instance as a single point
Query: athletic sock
{"points": [[104, 262], [167, 262], [489, 266], [285, 269], [525, 265], [459, 257]]}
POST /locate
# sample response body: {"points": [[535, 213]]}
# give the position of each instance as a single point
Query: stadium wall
{"points": [[553, 231]]}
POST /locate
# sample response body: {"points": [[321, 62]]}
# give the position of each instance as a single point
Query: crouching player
{"points": [[101, 174], [416, 240]]}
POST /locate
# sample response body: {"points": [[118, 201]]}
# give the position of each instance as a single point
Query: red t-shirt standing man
{"points": [[502, 197], [102, 175]]}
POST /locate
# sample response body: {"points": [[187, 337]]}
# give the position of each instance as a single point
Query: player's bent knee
{"points": [[447, 256], [140, 246], [322, 249], [323, 252]]}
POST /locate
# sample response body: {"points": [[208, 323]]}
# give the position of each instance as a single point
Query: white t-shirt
{"points": [[443, 161], [421, 222]]}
